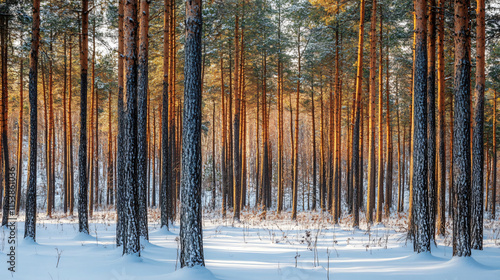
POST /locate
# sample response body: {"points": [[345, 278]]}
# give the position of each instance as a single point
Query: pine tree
{"points": [[478, 141], [191, 235], [370, 199], [421, 242], [131, 240], [30, 221], [142, 109], [356, 166], [461, 133], [441, 161], [83, 222]]}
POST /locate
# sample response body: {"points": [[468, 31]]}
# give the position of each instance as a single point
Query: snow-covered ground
{"points": [[274, 248]]}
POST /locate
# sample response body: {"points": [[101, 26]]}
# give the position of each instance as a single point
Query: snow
{"points": [[275, 248]]}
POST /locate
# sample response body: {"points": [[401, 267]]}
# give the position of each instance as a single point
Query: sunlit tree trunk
{"points": [[380, 165], [370, 200]]}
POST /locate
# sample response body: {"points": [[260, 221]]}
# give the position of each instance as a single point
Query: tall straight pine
{"points": [[461, 133], [191, 237], [420, 209]]}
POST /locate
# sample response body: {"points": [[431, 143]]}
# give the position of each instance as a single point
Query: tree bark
{"points": [[9, 193], [30, 221], [421, 242], [380, 165], [431, 114], [131, 240], [142, 114], [356, 168], [83, 223], [165, 161], [370, 201], [191, 235], [120, 157], [478, 141], [441, 159]]}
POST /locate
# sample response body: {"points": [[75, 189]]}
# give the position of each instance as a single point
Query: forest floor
{"points": [[255, 248]]}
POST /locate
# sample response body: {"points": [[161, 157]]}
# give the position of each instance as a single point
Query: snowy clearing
{"points": [[275, 248]]}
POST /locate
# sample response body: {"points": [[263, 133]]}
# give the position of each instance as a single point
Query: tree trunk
{"points": [[9, 192], [109, 192], [225, 183], [477, 141], [461, 133], [296, 150], [165, 161], [441, 159], [120, 157], [19, 171], [153, 189], [431, 114], [131, 244], [142, 119], [313, 136], [65, 135], [421, 242], [236, 125], [370, 201], [30, 221], [191, 237], [214, 184], [494, 164], [380, 165], [83, 222], [388, 177], [356, 167], [71, 179]]}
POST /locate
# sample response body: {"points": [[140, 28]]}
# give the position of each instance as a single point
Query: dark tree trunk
{"points": [[356, 168], [65, 186], [30, 222], [370, 195], [313, 120], [83, 222], [165, 153], [9, 192], [494, 164], [131, 240], [20, 138], [71, 179], [225, 182], [441, 160], [461, 133], [142, 120], [120, 183], [191, 235], [477, 141], [109, 192], [421, 242], [431, 114], [236, 129], [214, 184]]}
